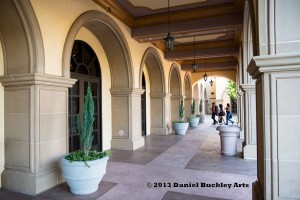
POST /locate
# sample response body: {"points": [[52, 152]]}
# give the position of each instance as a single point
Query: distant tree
{"points": [[231, 90]]}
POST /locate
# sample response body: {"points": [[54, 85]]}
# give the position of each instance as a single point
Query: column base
{"points": [[256, 191], [250, 151], [31, 183], [160, 131], [127, 144]]}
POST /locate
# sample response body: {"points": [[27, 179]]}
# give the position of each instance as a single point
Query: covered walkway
{"points": [[193, 159]]}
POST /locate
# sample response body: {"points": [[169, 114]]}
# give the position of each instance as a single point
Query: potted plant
{"points": [[193, 119], [201, 115], [84, 169], [180, 126]]}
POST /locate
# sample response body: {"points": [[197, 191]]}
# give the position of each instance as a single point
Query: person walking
{"points": [[214, 112], [228, 114], [221, 114]]}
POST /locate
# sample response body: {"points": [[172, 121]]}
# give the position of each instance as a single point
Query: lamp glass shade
{"points": [[205, 77], [194, 66], [211, 82], [169, 41]]}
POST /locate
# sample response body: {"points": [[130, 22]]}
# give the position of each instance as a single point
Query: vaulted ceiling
{"points": [[215, 24]]}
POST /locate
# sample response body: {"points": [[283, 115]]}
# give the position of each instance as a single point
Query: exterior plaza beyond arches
{"points": [[50, 50]]}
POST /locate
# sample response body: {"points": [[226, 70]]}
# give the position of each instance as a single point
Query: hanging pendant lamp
{"points": [[211, 81], [205, 75], [169, 39], [194, 65]]}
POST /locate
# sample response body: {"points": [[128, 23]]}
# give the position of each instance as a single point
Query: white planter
{"points": [[228, 137], [194, 121], [81, 178], [202, 118], [180, 128]]}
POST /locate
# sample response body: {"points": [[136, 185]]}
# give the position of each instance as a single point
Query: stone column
{"points": [[278, 115], [36, 131], [175, 100], [126, 119], [160, 113], [187, 106], [240, 95], [249, 144], [197, 103]]}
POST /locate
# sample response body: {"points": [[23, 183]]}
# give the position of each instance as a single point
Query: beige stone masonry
{"points": [[36, 130], [249, 144], [160, 109], [126, 118], [278, 115]]}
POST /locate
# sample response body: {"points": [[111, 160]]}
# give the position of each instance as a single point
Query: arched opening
{"points": [[151, 69], [85, 68], [188, 94], [175, 91]]}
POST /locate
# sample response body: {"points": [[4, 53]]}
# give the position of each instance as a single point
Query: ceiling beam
{"points": [[230, 21], [209, 52]]}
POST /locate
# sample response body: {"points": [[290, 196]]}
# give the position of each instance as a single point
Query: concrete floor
{"points": [[168, 161]]}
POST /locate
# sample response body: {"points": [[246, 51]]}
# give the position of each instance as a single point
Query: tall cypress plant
{"points": [[85, 130]]}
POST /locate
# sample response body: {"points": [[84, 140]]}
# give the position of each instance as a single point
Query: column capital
{"points": [[273, 63], [36, 79], [247, 87], [160, 95], [177, 96], [126, 91], [240, 93]]}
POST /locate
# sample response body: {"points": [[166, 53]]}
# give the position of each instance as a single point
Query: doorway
{"points": [[85, 68]]}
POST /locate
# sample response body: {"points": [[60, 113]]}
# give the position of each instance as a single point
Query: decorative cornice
{"points": [[36, 79], [247, 87], [273, 63], [126, 91]]}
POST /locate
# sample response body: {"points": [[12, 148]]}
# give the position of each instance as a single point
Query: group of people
{"points": [[221, 113]]}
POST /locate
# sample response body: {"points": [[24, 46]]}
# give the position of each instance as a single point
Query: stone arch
{"points": [[188, 93], [175, 88], [152, 63], [21, 38], [113, 42]]}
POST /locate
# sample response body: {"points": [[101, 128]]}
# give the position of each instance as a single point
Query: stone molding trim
{"points": [[36, 79], [160, 95], [247, 87], [177, 97], [126, 91], [273, 63]]}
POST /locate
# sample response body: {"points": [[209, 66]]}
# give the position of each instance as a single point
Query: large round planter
{"points": [[202, 118], [194, 121], [83, 179], [228, 137], [180, 127]]}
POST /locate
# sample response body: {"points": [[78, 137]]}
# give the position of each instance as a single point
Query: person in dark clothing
{"points": [[214, 112], [228, 114], [221, 114]]}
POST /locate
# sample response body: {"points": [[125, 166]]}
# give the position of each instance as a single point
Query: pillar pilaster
{"points": [[160, 113], [36, 131], [187, 106], [249, 144], [240, 120], [126, 119], [278, 114]]}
